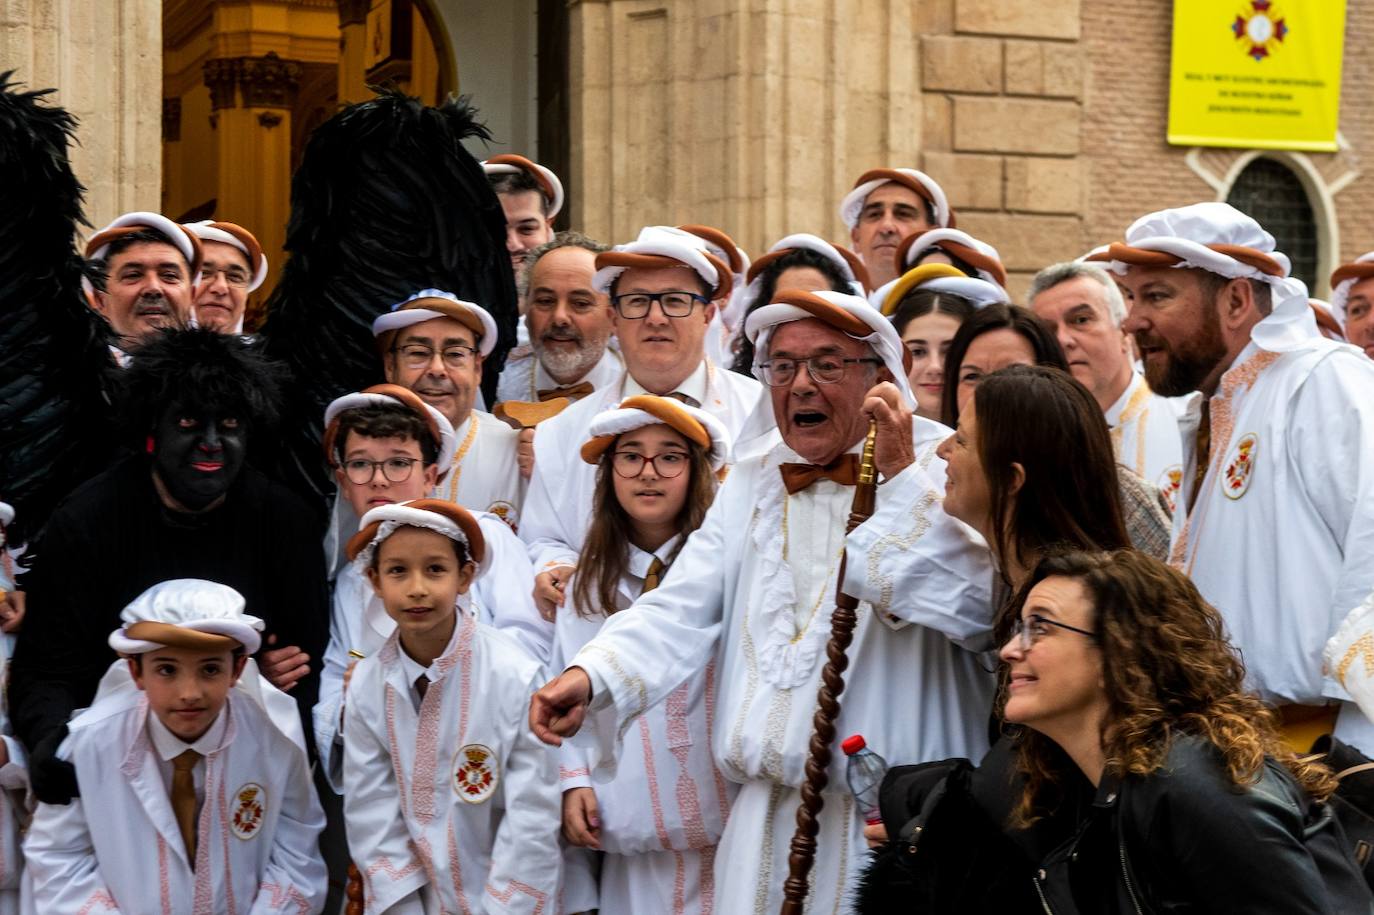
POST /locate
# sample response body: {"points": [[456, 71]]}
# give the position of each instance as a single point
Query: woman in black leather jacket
{"points": [[1137, 775]]}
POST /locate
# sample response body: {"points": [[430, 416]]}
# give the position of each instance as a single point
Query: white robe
{"points": [[522, 379], [756, 585], [501, 597], [664, 806], [1281, 537], [454, 807], [486, 474], [118, 848], [558, 506], [1145, 435], [14, 814]]}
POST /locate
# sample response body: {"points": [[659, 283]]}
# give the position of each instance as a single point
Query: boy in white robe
{"points": [[14, 776], [451, 804], [191, 797]]}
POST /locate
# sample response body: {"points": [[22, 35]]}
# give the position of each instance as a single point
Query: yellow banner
{"points": [[1256, 73]]}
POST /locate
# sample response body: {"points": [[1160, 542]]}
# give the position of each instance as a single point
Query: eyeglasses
{"points": [[394, 470], [1033, 628], [234, 276], [633, 306], [415, 356], [822, 369], [631, 464]]}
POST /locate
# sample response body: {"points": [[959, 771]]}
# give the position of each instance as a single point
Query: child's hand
{"points": [[875, 834], [581, 823], [11, 610], [524, 452], [283, 667], [348, 673], [548, 590]]}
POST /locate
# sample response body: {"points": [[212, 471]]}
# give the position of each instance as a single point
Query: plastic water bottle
{"points": [[864, 773]]}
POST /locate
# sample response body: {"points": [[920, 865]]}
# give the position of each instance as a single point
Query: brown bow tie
{"points": [[843, 470], [572, 391]]}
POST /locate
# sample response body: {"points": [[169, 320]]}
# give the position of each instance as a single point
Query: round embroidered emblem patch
{"points": [[1169, 483], [1240, 466], [250, 803], [505, 511], [475, 773]]}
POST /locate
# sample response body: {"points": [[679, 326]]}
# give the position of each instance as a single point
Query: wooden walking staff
{"points": [[842, 623]]}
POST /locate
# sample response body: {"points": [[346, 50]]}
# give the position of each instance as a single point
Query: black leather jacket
{"points": [[1182, 840]]}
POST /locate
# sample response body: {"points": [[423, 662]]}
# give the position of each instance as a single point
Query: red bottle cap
{"points": [[853, 744]]}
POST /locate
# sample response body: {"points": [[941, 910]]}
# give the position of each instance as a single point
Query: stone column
{"points": [[105, 61], [251, 98]]}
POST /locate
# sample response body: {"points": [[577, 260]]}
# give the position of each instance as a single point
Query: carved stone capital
{"points": [[171, 120], [222, 77], [269, 81]]}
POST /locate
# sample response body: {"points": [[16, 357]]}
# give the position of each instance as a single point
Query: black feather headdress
{"points": [[386, 202], [54, 350]]}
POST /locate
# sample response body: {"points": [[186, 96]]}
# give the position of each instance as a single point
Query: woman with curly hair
{"points": [[1139, 775]]}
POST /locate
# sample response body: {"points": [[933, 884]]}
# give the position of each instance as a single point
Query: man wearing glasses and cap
{"points": [[662, 286]]}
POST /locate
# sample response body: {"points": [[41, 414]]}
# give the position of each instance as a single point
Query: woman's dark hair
{"points": [[920, 302], [1046, 421], [985, 320], [1168, 670], [605, 556], [768, 284], [199, 370], [385, 420]]}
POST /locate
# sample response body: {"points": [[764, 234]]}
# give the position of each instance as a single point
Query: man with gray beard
{"points": [[570, 326]]}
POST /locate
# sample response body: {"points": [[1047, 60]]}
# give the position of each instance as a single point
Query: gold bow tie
{"points": [[571, 391], [843, 470]]}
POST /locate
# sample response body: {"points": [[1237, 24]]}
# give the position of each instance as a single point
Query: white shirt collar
{"points": [[1113, 413], [694, 386], [640, 560], [169, 746]]}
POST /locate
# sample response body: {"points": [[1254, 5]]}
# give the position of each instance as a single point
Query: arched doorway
{"points": [[1273, 194], [245, 84]]}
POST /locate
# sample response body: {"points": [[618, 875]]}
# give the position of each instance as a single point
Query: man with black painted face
{"points": [[183, 506]]}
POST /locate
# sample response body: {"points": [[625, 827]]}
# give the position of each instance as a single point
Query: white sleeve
{"points": [[60, 858], [327, 711], [377, 835], [913, 561], [542, 527], [506, 591], [295, 878], [526, 857]]}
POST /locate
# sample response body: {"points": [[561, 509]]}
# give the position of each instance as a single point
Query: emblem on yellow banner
{"points": [[1260, 29]]}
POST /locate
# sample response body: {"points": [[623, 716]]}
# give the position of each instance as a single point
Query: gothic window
{"points": [[1270, 192]]}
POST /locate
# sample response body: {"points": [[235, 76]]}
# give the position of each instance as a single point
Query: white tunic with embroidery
{"points": [[485, 475], [523, 379], [754, 588], [1281, 538], [14, 784], [559, 504], [454, 806], [501, 597], [663, 807], [118, 847], [1145, 435]]}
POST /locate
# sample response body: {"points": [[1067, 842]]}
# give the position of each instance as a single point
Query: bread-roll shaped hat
{"points": [[852, 315], [658, 247], [958, 244], [926, 187], [187, 613], [1345, 278], [846, 261], [510, 164], [1220, 239], [438, 515], [988, 287], [235, 236], [428, 304], [180, 237], [694, 423], [439, 426]]}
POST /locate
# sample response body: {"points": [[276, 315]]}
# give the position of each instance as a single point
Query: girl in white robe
{"points": [[659, 813]]}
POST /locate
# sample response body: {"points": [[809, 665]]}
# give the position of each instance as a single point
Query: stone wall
{"points": [[105, 59]]}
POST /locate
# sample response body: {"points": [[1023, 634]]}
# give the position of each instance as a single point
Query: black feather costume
{"points": [[54, 350], [386, 202]]}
